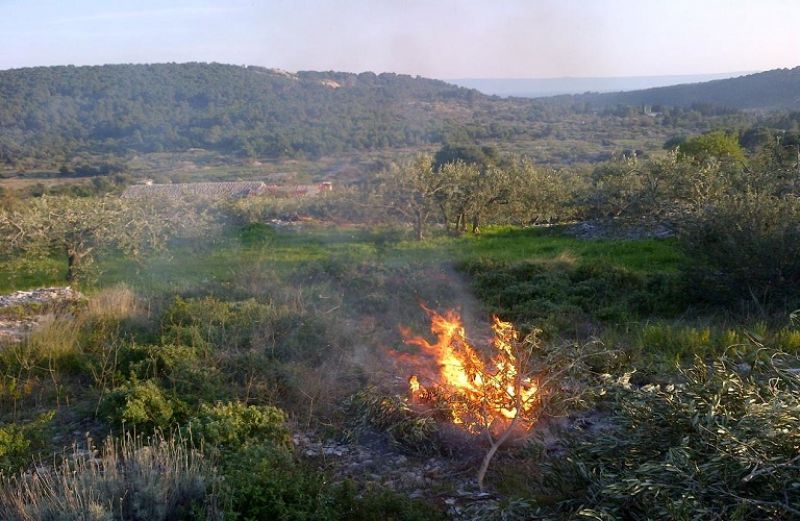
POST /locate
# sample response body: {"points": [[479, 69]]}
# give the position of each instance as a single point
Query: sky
{"points": [[445, 39]]}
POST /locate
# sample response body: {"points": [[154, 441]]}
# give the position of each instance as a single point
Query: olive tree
{"points": [[541, 195], [471, 191], [79, 229], [411, 190]]}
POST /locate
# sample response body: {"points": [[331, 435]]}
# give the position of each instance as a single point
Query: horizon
{"points": [[514, 39], [513, 87], [503, 78]]}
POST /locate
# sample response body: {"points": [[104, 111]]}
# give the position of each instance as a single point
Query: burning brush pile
{"points": [[479, 396], [494, 397]]}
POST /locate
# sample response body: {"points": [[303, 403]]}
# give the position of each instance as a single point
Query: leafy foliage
{"points": [[19, 441], [559, 295], [232, 425], [717, 144], [139, 404], [746, 249], [721, 443]]}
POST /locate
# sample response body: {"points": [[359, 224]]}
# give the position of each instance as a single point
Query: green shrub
{"points": [[544, 293], [264, 482], [140, 404], [19, 442], [232, 425], [156, 361], [225, 325], [256, 234], [745, 250], [350, 504], [185, 371]]}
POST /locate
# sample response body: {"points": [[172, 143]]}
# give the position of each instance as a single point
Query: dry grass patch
{"points": [[114, 303], [129, 478]]}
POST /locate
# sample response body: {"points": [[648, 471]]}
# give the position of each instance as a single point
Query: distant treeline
{"points": [[231, 109], [772, 90]]}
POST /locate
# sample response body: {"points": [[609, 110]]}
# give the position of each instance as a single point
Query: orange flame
{"points": [[479, 395]]}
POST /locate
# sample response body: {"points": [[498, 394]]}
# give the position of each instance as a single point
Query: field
{"points": [[231, 330]]}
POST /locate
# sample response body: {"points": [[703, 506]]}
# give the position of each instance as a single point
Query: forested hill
{"points": [[778, 89], [244, 110]]}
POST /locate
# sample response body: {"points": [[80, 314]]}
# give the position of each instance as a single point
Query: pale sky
{"points": [[435, 38]]}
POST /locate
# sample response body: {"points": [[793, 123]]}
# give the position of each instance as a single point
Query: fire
{"points": [[479, 395]]}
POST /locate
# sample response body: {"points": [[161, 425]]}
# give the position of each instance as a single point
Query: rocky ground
{"points": [[618, 229], [22, 311], [449, 481]]}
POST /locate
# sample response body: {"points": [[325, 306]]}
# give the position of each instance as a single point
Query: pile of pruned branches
{"points": [[724, 443]]}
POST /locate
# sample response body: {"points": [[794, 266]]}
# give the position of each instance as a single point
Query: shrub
{"points": [[130, 479], [18, 442], [139, 404], [156, 361], [256, 234], [263, 482], [561, 296], [204, 321], [232, 425], [350, 504], [745, 249]]}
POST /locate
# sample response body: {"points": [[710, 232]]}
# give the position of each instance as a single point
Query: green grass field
{"points": [[188, 265]]}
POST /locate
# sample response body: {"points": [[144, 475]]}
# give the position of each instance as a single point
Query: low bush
{"points": [[19, 442], [745, 250], [264, 482], [155, 361], [141, 405], [232, 325], [235, 424], [557, 297]]}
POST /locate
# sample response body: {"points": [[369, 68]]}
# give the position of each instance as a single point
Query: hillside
{"points": [[542, 87], [49, 116], [778, 89], [231, 109]]}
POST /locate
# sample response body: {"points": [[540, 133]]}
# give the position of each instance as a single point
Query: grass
{"points": [[17, 273], [514, 244], [132, 478], [189, 265]]}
